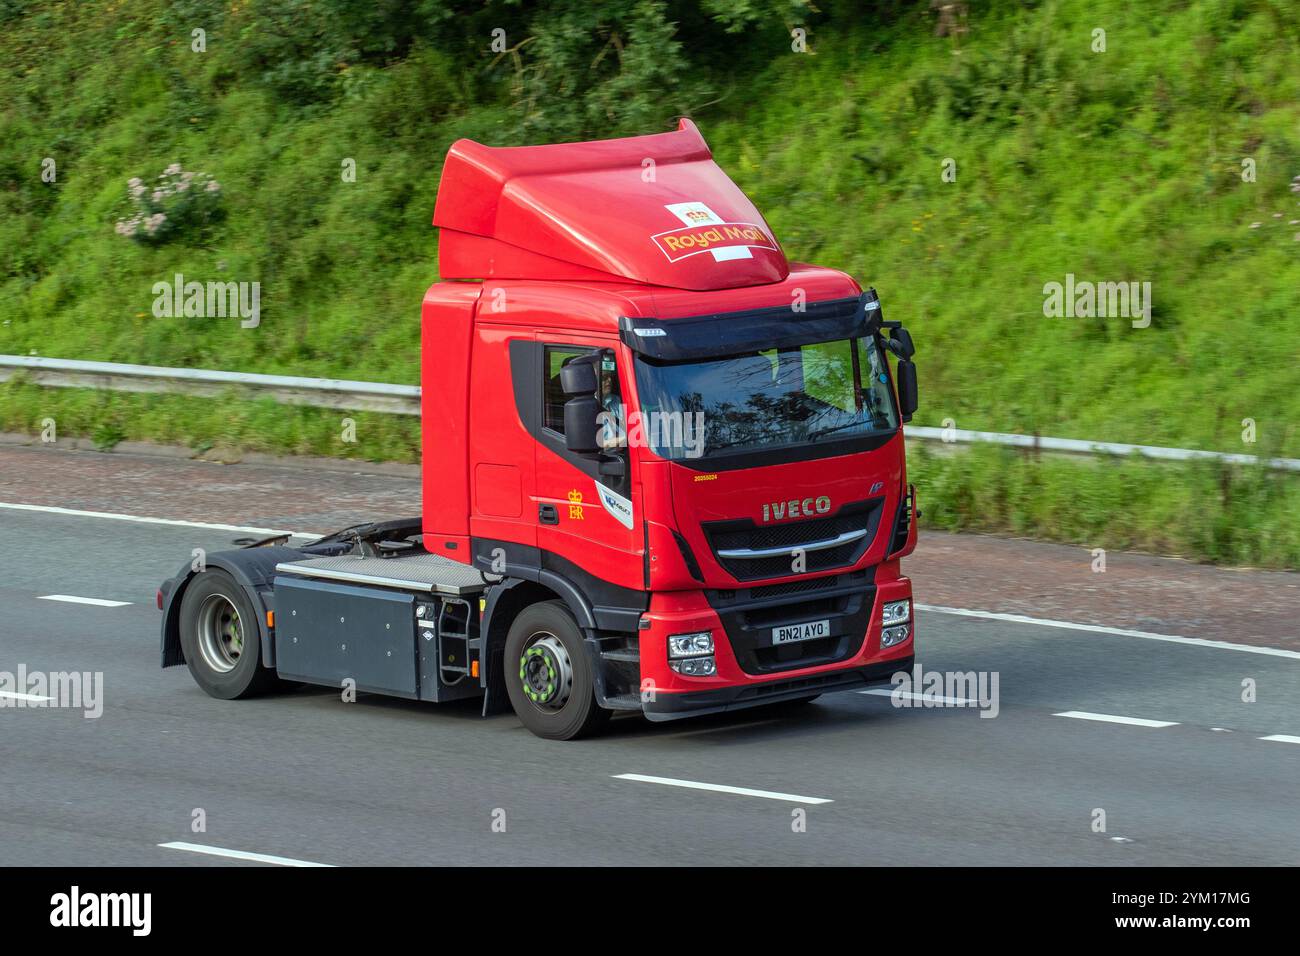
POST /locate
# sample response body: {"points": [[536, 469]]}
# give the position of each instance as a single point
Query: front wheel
{"points": [[221, 639], [549, 675]]}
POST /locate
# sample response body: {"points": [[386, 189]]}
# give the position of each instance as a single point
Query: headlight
{"points": [[894, 635], [690, 645], [895, 612]]}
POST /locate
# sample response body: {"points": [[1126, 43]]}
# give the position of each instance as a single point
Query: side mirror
{"points": [[906, 379], [578, 378], [900, 342], [580, 420]]}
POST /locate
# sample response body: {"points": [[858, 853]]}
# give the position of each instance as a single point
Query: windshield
{"points": [[787, 396]]}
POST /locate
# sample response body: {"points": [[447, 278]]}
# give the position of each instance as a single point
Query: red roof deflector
{"points": [[655, 209]]}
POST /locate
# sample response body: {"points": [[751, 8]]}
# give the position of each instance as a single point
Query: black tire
{"points": [[221, 638], [562, 654]]}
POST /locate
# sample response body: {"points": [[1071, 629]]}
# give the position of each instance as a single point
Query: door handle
{"points": [[548, 514]]}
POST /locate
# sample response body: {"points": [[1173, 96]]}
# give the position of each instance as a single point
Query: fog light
{"points": [[690, 645], [895, 612], [695, 667], [895, 635]]}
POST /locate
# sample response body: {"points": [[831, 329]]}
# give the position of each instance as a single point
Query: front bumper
{"points": [[663, 705]]}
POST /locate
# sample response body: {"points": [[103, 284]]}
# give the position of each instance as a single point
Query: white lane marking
{"points": [[1117, 631], [73, 599], [15, 695], [720, 788], [50, 509], [1282, 738], [240, 854], [1115, 719], [911, 695]]}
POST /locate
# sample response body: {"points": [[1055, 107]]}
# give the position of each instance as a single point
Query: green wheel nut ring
{"points": [[533, 695]]}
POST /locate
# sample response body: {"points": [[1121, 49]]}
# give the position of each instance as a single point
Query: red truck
{"points": [[663, 468]]}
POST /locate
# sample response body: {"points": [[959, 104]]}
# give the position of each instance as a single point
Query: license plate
{"points": [[808, 631]]}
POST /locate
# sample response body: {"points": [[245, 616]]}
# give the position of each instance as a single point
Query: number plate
{"points": [[808, 631]]}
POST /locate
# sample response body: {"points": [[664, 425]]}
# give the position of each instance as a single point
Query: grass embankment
{"points": [[1123, 165]]}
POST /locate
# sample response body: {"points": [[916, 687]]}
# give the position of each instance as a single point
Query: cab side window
{"points": [[554, 399], [612, 418]]}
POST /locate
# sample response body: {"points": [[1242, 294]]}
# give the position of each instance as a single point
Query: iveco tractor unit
{"points": [[663, 468]]}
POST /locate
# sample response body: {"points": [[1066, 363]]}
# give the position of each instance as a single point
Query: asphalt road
{"points": [[305, 776]]}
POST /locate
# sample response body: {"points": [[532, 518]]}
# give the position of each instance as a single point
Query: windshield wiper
{"points": [[840, 427]]}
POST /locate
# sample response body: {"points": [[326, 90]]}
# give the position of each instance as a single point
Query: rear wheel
{"points": [[221, 638], [549, 676]]}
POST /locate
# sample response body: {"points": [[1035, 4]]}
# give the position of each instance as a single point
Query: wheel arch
{"points": [[253, 569], [504, 603]]}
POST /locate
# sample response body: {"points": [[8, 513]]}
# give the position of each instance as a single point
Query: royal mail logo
{"points": [[726, 240]]}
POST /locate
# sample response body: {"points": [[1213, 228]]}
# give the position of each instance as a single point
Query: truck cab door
{"points": [[588, 520]]}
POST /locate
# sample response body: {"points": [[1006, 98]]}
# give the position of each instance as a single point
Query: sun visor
{"points": [[735, 333]]}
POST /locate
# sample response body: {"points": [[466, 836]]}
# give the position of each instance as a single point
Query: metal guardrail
{"points": [[405, 400], [1082, 446], [288, 389]]}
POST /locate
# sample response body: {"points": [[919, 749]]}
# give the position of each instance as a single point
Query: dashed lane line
{"points": [[240, 854], [721, 788], [74, 599], [1116, 719]]}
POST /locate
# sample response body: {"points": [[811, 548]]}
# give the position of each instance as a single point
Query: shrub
{"points": [[181, 201]]}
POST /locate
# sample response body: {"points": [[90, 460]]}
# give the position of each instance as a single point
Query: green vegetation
{"points": [[1203, 510], [1123, 165]]}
